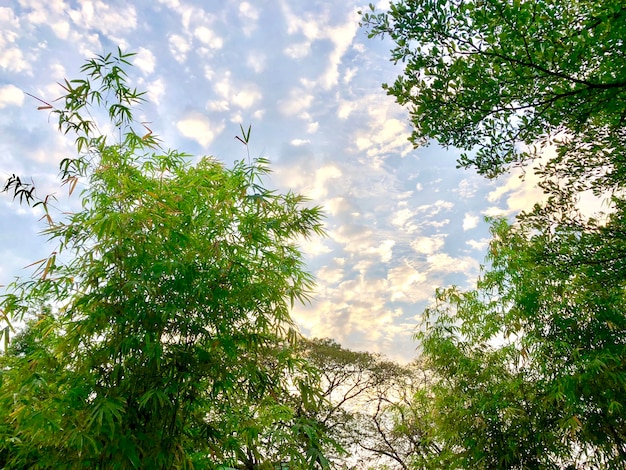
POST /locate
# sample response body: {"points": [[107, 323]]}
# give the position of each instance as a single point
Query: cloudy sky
{"points": [[401, 221]]}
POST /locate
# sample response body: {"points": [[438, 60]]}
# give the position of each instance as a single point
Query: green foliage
{"points": [[485, 76], [531, 363], [168, 343], [529, 366]]}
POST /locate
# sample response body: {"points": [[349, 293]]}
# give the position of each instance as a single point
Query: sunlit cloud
{"points": [[208, 37], [13, 60], [199, 128], [443, 262], [470, 221], [156, 89], [10, 95], [404, 282], [428, 245], [179, 47], [102, 16], [480, 245], [298, 50], [467, 188], [248, 12], [145, 60], [309, 83], [314, 247], [297, 103], [243, 95], [341, 36], [256, 61], [383, 250]]}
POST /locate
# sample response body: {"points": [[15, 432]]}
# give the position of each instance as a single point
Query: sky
{"points": [[401, 222]]}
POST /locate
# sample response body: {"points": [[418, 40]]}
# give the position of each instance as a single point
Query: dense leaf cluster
{"points": [[159, 333], [529, 368], [488, 75]]}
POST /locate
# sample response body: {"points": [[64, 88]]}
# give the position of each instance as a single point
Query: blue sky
{"points": [[401, 221]]}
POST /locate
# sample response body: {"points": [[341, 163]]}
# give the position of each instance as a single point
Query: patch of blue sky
{"points": [[401, 221]]}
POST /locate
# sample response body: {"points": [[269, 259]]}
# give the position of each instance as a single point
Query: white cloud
{"points": [[435, 208], [243, 95], [88, 43], [443, 262], [332, 316], [198, 127], [179, 47], [61, 29], [145, 60], [12, 59], [256, 61], [156, 89], [258, 114], [342, 37], [519, 190], [404, 281], [436, 223], [354, 238], [173, 4], [298, 50], [101, 16], [314, 247], [467, 188], [385, 133], [312, 183], [300, 142], [249, 16], [318, 27], [218, 105], [310, 26], [428, 245], [494, 211], [297, 103], [8, 18], [480, 245], [248, 12], [350, 74], [10, 95], [42, 11], [403, 219], [57, 71], [247, 96], [470, 221], [384, 250], [329, 276], [208, 37], [339, 205], [323, 177], [346, 108]]}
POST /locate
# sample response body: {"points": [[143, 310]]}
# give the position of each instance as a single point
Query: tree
{"points": [[168, 342], [369, 406], [488, 75], [529, 365]]}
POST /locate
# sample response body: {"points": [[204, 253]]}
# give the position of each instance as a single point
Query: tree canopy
{"points": [[529, 366], [159, 330], [531, 363], [501, 79]]}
